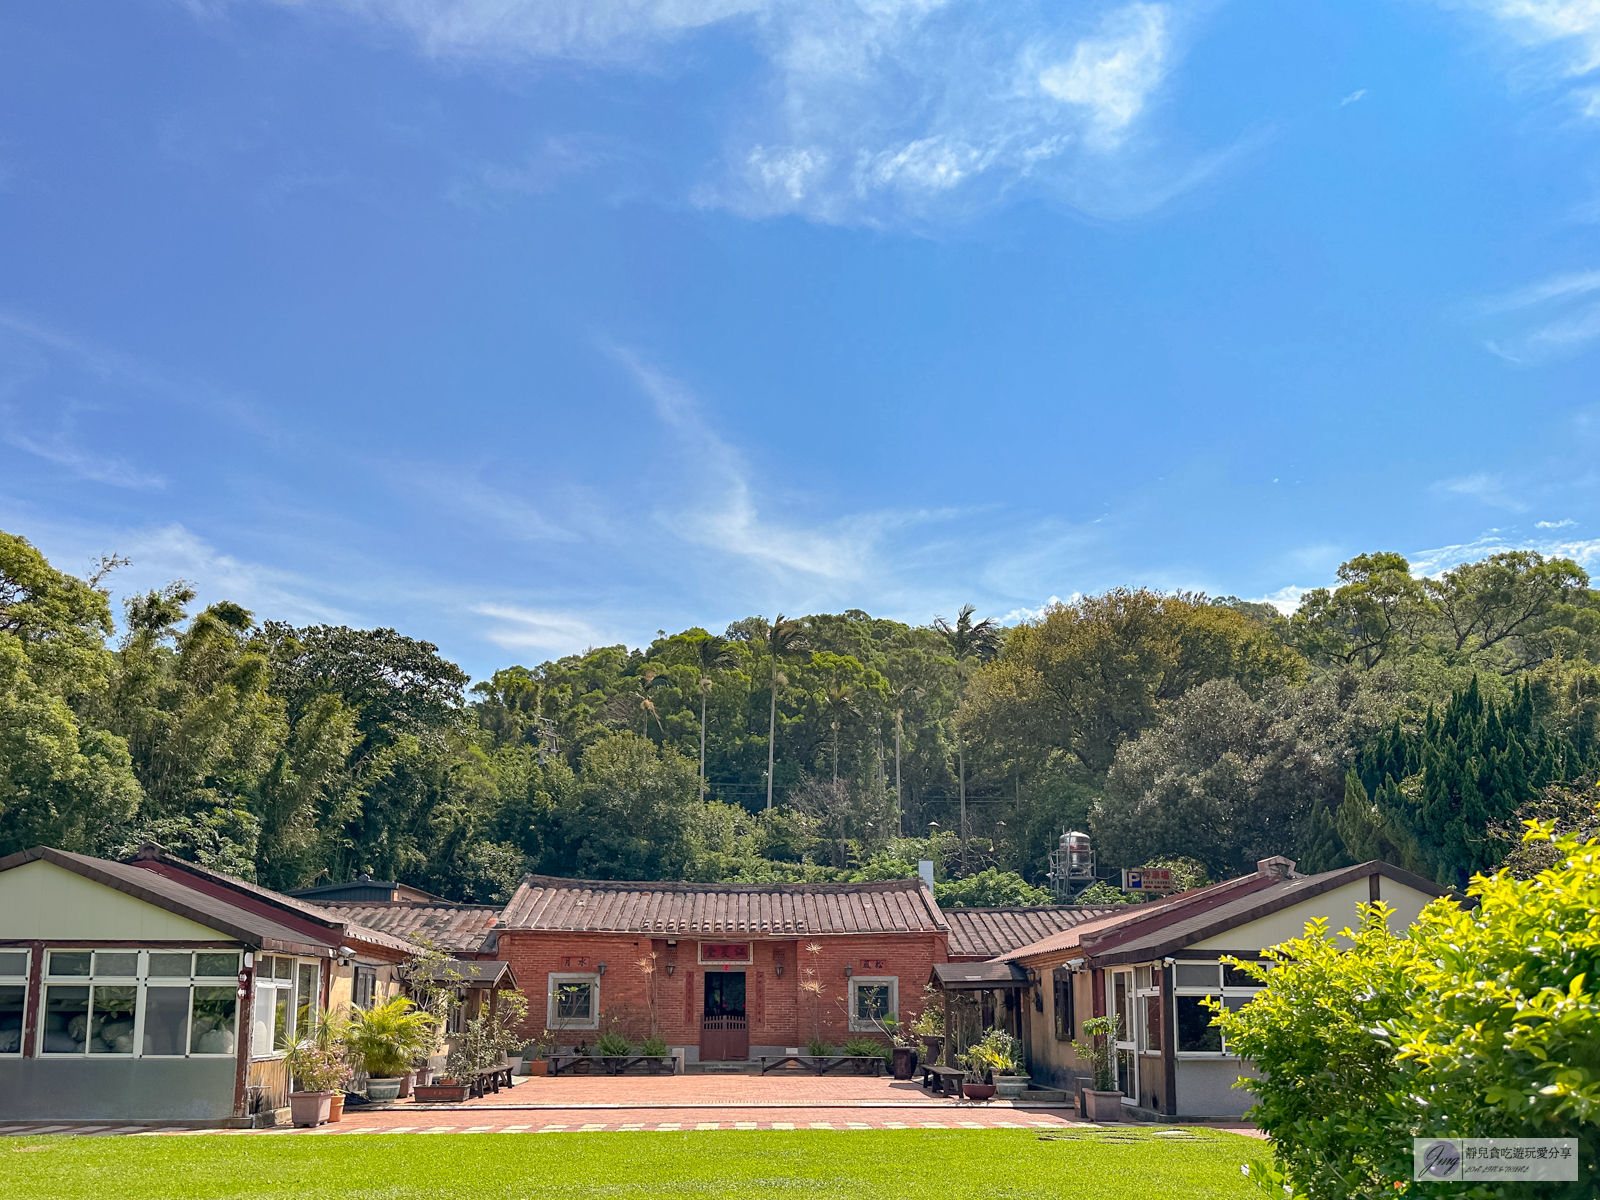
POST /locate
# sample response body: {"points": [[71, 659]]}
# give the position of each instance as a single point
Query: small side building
{"points": [[1153, 965]]}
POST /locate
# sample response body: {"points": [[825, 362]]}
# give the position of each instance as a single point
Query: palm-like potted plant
{"points": [[1006, 1068], [318, 1065], [1103, 1102], [974, 1084], [384, 1039]]}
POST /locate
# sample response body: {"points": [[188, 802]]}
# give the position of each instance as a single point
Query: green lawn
{"points": [[1120, 1164]]}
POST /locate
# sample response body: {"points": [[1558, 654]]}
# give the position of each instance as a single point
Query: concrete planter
{"points": [[1010, 1087], [441, 1093], [1102, 1106], [379, 1090], [309, 1108], [514, 1061]]}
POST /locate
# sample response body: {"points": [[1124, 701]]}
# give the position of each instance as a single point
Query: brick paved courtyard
{"points": [[588, 1104]]}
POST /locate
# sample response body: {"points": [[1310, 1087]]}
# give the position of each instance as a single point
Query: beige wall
{"points": [[42, 901], [1339, 906], [1053, 1063]]}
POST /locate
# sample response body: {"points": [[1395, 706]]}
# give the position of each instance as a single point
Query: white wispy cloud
{"points": [[721, 510], [1572, 26], [544, 630], [84, 464], [1353, 97], [1485, 487], [1560, 321], [1586, 552], [1561, 524], [867, 110]]}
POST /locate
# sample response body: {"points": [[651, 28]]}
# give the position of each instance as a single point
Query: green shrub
{"points": [[654, 1047], [614, 1045], [865, 1047], [1480, 1022], [818, 1048]]}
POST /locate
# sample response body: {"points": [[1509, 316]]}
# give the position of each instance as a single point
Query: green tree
{"points": [[1378, 612], [783, 638], [989, 889], [63, 782], [969, 641], [629, 813]]}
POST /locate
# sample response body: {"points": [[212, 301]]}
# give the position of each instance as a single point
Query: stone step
{"points": [[1038, 1095]]}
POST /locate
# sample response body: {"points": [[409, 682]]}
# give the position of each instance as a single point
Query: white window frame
{"points": [[21, 981], [142, 981], [290, 985], [556, 1024], [1223, 992], [856, 1024]]}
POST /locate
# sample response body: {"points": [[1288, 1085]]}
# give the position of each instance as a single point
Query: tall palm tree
{"points": [[901, 693], [968, 640], [839, 699], [711, 655], [784, 638]]}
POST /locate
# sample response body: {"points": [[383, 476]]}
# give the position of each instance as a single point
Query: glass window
{"points": [[169, 966], [282, 968], [1066, 1023], [13, 963], [574, 1002], [166, 1020], [1150, 1026], [13, 1006], [70, 962], [214, 1025], [1195, 975], [65, 1028], [281, 1028], [305, 998], [216, 966], [1233, 977], [261, 1025], [870, 1001], [116, 1009], [1195, 1030], [366, 983], [118, 964]]}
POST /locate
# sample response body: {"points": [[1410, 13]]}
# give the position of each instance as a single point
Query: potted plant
{"points": [[536, 1054], [614, 1048], [975, 1063], [903, 1056], [1102, 1102], [929, 1025], [657, 1060], [1000, 1058], [318, 1069], [455, 1081], [382, 1041]]}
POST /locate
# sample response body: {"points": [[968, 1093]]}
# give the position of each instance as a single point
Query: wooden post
{"points": [[1169, 1049], [949, 1034]]}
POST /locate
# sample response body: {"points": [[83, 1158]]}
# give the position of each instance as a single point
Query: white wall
{"points": [[1339, 906], [42, 901]]}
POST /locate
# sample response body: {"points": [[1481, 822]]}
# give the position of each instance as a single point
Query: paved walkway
{"points": [[588, 1104]]}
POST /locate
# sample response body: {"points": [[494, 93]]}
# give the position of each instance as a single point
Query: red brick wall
{"points": [[781, 1010]]}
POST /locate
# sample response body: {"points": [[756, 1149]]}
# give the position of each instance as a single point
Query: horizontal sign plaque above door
{"points": [[724, 953]]}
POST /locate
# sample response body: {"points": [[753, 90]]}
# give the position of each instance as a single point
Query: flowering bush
{"points": [[317, 1066]]}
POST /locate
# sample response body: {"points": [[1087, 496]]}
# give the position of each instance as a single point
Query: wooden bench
{"points": [[821, 1064], [946, 1081], [490, 1079], [612, 1064]]}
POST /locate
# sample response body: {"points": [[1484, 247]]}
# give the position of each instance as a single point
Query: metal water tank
{"points": [[1079, 855]]}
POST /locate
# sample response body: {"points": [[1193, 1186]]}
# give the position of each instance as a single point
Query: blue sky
{"points": [[529, 326]]}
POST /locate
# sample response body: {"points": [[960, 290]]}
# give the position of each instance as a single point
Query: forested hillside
{"points": [[1390, 717]]}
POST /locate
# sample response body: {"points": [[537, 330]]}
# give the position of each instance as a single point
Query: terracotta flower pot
{"points": [[309, 1108], [406, 1080], [537, 1066], [336, 1107]]}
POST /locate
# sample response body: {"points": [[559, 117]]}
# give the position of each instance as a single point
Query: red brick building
{"points": [[726, 970]]}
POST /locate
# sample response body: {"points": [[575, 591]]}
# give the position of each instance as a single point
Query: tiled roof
{"points": [[459, 928], [976, 976], [236, 922], [893, 906], [1188, 926], [987, 932]]}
